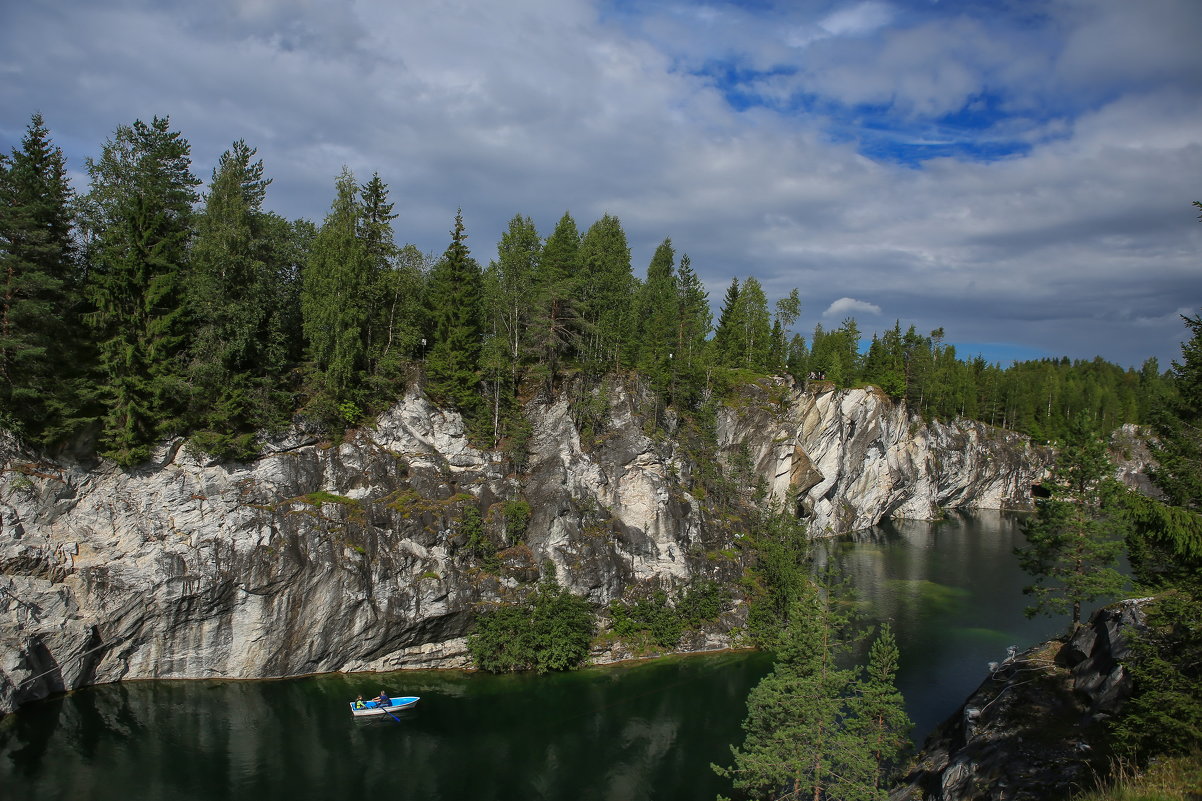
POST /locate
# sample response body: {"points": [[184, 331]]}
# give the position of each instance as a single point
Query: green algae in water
{"points": [[935, 597], [984, 636]]}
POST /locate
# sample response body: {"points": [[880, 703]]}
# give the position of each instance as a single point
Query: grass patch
{"points": [[1165, 779]]}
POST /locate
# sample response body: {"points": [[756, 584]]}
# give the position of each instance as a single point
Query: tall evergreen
{"points": [[336, 302], [604, 292], [41, 343], [693, 327], [556, 323], [1178, 426], [240, 324], [657, 315], [728, 335], [801, 731], [879, 718], [138, 220], [454, 301], [1073, 542], [391, 283]]}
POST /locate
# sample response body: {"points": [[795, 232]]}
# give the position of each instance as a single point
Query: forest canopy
{"points": [[142, 306]]}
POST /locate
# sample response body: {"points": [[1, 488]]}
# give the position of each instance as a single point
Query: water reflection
{"points": [[644, 731]]}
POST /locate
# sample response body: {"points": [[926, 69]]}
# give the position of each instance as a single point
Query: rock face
{"points": [[358, 556], [1033, 729], [847, 459]]}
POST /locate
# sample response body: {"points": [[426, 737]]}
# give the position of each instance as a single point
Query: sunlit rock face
{"points": [[358, 555]]}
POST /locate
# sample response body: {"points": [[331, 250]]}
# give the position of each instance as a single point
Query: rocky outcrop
{"points": [[1035, 728], [360, 555], [845, 460]]}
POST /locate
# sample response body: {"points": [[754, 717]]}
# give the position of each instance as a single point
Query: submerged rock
{"points": [[347, 556]]}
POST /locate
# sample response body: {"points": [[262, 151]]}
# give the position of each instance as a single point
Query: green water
{"points": [[642, 731]]}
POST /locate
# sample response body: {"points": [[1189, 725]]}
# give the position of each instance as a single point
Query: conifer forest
{"points": [[151, 304]]}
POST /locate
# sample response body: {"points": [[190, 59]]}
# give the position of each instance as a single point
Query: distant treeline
{"points": [[142, 309]]}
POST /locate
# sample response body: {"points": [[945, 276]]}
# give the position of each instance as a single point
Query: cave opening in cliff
{"points": [[1040, 491]]}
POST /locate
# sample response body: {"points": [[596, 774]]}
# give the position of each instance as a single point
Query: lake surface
{"points": [[639, 731]]}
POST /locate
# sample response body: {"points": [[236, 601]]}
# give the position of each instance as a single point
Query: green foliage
{"points": [[241, 309], [550, 630], [1164, 715], [517, 517], [1073, 540], [455, 314], [1178, 426], [663, 622], [780, 577], [816, 729], [42, 348], [138, 222]]}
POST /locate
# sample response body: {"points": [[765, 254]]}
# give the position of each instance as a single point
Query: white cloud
{"points": [[845, 307], [1087, 244]]}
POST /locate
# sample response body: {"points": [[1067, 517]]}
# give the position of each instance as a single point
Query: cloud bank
{"points": [[1018, 175]]}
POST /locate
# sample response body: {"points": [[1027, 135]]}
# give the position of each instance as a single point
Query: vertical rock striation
{"points": [[354, 556]]}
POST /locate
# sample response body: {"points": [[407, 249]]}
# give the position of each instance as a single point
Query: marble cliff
{"points": [[352, 556]]}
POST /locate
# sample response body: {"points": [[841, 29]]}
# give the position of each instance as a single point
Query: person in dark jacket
{"points": [[382, 699]]}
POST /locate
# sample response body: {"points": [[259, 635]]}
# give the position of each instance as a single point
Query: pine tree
{"points": [[556, 324], [454, 298], [693, 326], [138, 218], [41, 343], [657, 318], [879, 719], [233, 295], [798, 743], [1073, 542], [728, 335], [336, 300], [1178, 426], [605, 293]]}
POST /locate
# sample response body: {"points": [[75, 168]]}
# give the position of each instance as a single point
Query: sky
{"points": [[1020, 174]]}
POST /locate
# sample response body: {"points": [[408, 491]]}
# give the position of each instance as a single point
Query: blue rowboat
{"points": [[371, 709]]}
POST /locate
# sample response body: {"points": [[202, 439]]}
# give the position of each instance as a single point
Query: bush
{"points": [[551, 630], [665, 624]]}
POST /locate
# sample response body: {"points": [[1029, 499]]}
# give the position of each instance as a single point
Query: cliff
{"points": [[1035, 728], [361, 555]]}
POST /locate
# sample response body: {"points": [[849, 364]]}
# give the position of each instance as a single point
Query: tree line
{"points": [[142, 308]]}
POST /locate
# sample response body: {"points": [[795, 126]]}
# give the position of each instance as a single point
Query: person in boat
{"points": [[359, 704], [382, 699]]}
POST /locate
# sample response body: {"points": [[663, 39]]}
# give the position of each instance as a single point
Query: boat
{"points": [[371, 709]]}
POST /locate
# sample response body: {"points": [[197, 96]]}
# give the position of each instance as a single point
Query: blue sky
{"points": [[1019, 173]]}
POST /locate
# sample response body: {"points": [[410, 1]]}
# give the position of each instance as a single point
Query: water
{"points": [[642, 731]]}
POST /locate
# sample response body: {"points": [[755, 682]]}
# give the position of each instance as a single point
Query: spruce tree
{"points": [[605, 293], [879, 720], [336, 300], [234, 287], [797, 739], [728, 335], [1178, 426], [693, 327], [556, 324], [41, 344], [1073, 540], [657, 316], [138, 220], [454, 301]]}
